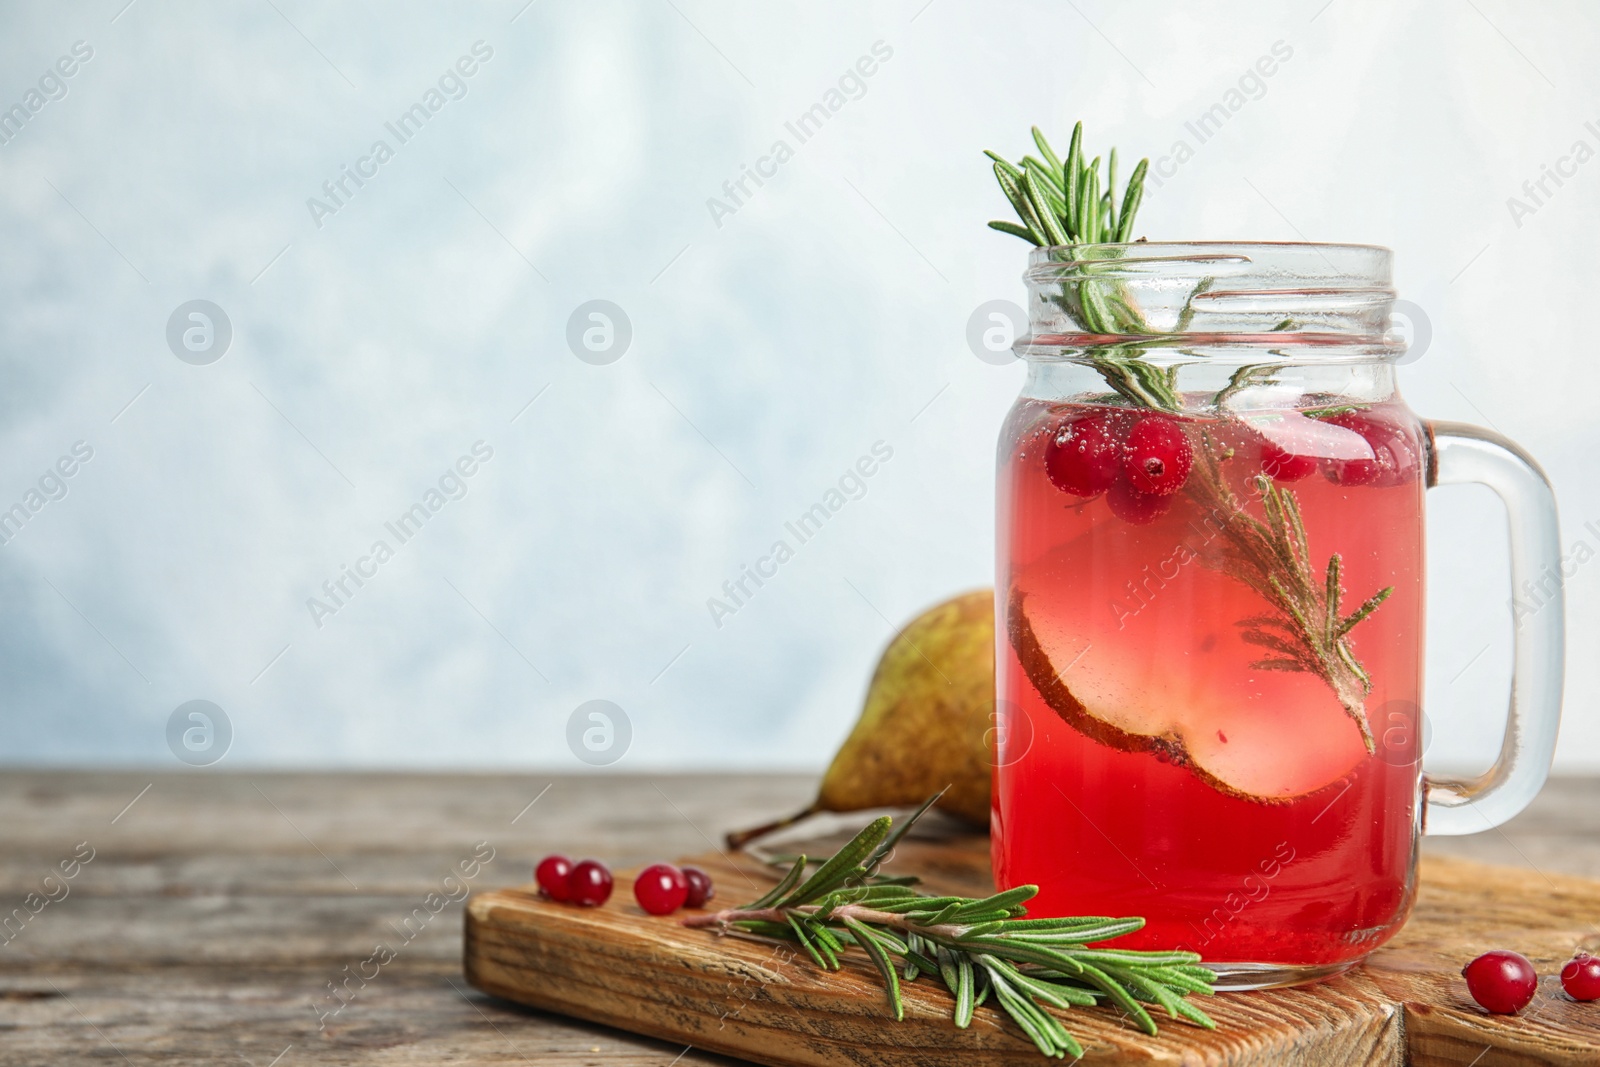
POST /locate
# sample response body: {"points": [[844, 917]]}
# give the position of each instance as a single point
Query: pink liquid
{"points": [[1237, 809]]}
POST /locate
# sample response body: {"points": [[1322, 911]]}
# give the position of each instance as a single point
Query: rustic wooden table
{"points": [[209, 917]]}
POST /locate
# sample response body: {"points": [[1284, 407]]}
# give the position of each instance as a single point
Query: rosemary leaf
{"points": [[1045, 991], [1192, 1014], [1049, 1035], [1041, 210], [1044, 177], [1068, 923], [1089, 204], [1120, 996], [788, 882], [1025, 1015], [825, 944], [1131, 199], [983, 989], [963, 992], [805, 942], [1331, 593], [921, 906], [1045, 150], [1186, 316], [982, 929], [1266, 640], [998, 902], [948, 971], [1291, 509], [1127, 957], [825, 937], [1004, 164], [1013, 191], [887, 845], [1367, 608], [1014, 230], [917, 962], [1072, 170], [867, 939], [1150, 990], [1279, 665], [833, 873], [1111, 191], [1336, 409], [896, 879]]}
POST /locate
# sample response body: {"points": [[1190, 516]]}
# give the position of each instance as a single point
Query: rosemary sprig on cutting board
{"points": [[979, 949]]}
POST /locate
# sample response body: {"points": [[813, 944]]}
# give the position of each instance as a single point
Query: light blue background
{"points": [[769, 352]]}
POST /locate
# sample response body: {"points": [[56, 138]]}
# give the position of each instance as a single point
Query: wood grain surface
{"points": [[219, 905]]}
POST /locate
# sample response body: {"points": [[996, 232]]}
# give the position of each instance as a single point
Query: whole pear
{"points": [[926, 723]]}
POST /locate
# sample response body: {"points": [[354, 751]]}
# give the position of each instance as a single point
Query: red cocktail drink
{"points": [[1210, 671]]}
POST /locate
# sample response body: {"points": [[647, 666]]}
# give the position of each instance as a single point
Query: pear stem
{"points": [[740, 838]]}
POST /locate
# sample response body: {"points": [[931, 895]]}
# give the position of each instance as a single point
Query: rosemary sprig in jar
{"points": [[1060, 203]]}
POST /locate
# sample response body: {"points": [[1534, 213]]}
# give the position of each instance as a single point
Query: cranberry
{"points": [[1503, 982], [1581, 977], [1285, 466], [1157, 456], [552, 874], [589, 884], [660, 889], [1394, 458], [1084, 456], [1131, 505], [700, 887]]}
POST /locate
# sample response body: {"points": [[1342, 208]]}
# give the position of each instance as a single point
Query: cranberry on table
{"points": [[1581, 977], [1132, 506], [589, 884], [660, 889], [1157, 456], [700, 887], [1085, 455], [1285, 466], [552, 874], [1503, 982]]}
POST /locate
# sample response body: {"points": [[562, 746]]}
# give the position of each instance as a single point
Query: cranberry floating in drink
{"points": [[1084, 456], [1157, 456]]}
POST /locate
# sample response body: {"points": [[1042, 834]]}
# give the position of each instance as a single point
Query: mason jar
{"points": [[1210, 606]]}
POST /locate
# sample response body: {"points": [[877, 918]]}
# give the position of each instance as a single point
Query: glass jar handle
{"points": [[1463, 454]]}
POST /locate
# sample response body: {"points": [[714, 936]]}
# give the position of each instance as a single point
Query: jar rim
{"points": [[1324, 245], [1329, 302]]}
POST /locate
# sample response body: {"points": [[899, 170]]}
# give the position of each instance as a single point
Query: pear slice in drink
{"points": [[1264, 736]]}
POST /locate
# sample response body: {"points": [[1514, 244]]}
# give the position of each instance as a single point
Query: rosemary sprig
{"points": [[979, 948], [1306, 632], [1060, 203]]}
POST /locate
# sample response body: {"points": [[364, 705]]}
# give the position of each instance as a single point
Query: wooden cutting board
{"points": [[1407, 1005]]}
